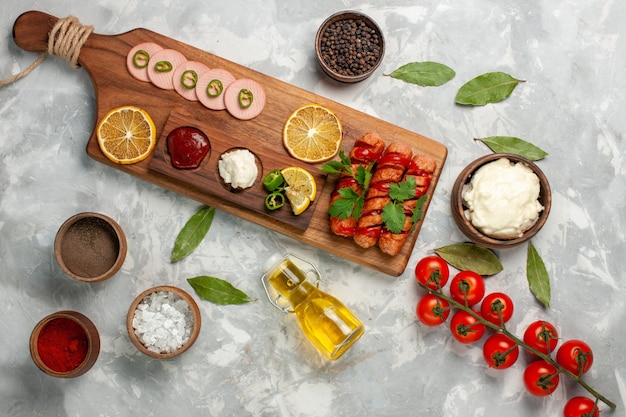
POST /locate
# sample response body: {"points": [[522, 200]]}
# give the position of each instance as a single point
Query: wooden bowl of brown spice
{"points": [[90, 247], [349, 46]]}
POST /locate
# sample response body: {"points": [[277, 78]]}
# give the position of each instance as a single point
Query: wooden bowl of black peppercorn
{"points": [[349, 46]]}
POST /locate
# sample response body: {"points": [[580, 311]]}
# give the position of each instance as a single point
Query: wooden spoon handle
{"points": [[31, 30]]}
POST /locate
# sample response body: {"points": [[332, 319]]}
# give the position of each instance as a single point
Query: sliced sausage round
{"points": [[162, 67], [186, 78], [211, 88], [245, 99], [138, 59]]}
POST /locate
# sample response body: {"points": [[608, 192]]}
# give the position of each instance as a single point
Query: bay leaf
{"points": [[218, 291], [426, 74], [517, 146], [537, 275], [490, 87], [192, 233], [469, 256]]}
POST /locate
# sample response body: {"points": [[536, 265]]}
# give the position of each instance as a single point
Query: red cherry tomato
{"points": [[541, 378], [432, 271], [432, 310], [575, 356], [541, 336], [500, 351], [497, 308], [581, 407], [467, 287], [466, 328]]}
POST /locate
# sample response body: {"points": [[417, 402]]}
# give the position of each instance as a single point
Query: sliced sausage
{"points": [[162, 67], [138, 59], [244, 99], [211, 87], [186, 78]]}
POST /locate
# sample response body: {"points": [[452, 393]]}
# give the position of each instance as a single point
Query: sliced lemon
{"points": [[312, 134], [126, 135], [301, 188]]}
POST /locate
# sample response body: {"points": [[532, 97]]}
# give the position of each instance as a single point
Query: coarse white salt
{"points": [[163, 322]]}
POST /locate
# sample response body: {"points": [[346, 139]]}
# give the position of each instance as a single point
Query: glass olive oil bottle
{"points": [[327, 323]]}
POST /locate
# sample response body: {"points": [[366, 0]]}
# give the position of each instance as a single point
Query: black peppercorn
{"points": [[350, 47]]}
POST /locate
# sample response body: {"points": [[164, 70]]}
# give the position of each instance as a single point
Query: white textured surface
{"points": [[253, 360]]}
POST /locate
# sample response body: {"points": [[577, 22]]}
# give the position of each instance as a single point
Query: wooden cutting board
{"points": [[104, 59]]}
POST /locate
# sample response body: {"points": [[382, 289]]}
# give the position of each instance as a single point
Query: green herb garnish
{"points": [[192, 233], [218, 291], [425, 74], [350, 203], [469, 256], [393, 214], [491, 87]]}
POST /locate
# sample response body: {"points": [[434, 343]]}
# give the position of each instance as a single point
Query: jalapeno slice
{"points": [[141, 58], [214, 88], [189, 79], [245, 98], [163, 66], [274, 200], [273, 181]]}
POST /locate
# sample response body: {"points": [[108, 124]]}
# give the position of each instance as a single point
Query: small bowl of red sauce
{"points": [[65, 344]]}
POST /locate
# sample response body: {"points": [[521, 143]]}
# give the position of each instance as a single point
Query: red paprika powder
{"points": [[62, 344]]}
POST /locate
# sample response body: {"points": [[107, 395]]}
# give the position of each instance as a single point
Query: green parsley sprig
{"points": [[350, 203], [393, 213]]}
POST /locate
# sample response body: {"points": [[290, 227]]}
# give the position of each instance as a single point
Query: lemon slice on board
{"points": [[301, 188], [126, 135], [312, 134]]}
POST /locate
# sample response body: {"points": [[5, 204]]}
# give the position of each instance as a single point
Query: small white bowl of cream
{"points": [[501, 200], [238, 168]]}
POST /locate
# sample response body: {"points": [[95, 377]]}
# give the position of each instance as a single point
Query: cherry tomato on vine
{"points": [[575, 356], [466, 328], [432, 271], [541, 378], [497, 308], [541, 336], [432, 310], [581, 407], [500, 351], [467, 285]]}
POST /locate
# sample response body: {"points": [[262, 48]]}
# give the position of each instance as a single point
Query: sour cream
{"points": [[502, 199], [238, 168]]}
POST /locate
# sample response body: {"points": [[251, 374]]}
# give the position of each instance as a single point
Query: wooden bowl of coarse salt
{"points": [[163, 322], [501, 200]]}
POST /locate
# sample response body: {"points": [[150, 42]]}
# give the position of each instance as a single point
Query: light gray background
{"points": [[253, 360]]}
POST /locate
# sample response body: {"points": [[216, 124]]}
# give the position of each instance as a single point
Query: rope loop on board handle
{"points": [[65, 40]]}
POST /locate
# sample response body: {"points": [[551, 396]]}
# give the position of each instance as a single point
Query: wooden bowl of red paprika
{"points": [[65, 344], [90, 247]]}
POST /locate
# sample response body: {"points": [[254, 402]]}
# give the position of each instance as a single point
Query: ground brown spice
{"points": [[90, 247]]}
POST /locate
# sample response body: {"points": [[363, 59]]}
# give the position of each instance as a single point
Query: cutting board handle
{"points": [[31, 30]]}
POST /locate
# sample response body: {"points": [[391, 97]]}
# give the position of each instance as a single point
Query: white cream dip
{"points": [[502, 199], [238, 168]]}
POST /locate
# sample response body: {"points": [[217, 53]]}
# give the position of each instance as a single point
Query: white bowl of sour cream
{"points": [[501, 200]]}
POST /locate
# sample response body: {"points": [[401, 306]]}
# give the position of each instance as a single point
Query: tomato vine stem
{"points": [[502, 329]]}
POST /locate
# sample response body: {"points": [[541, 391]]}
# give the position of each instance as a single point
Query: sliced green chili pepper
{"points": [[245, 98], [214, 88], [189, 79], [274, 200], [141, 58], [163, 66], [273, 181]]}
